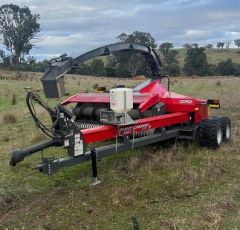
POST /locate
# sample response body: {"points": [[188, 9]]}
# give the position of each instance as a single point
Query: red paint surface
{"points": [[109, 131], [180, 109]]}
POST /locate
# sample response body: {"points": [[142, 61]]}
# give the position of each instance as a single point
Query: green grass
{"points": [[4, 102], [179, 186]]}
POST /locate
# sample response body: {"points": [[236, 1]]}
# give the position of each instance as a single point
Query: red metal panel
{"points": [[150, 88], [186, 104], [148, 102], [201, 112], [100, 98], [88, 97], [108, 131]]}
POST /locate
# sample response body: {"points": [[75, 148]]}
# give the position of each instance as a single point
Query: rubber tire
{"points": [[226, 123], [208, 132]]}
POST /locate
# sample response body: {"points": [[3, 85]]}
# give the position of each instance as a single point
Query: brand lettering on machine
{"points": [[185, 101], [131, 129]]}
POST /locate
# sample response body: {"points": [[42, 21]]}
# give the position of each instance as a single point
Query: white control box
{"points": [[121, 100]]}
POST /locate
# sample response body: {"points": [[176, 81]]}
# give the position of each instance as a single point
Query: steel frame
{"points": [[51, 165]]}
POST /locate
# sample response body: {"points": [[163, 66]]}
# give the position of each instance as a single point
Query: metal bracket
{"points": [[48, 162]]}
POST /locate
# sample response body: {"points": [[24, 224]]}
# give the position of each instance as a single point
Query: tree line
{"points": [[220, 44], [130, 64], [19, 28]]}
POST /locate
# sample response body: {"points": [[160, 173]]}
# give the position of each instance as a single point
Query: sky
{"points": [[77, 26]]}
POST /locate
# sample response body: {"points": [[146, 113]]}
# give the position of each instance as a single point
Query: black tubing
{"points": [[66, 112], [19, 154]]}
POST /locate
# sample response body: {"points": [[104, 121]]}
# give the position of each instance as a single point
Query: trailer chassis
{"points": [[50, 165]]}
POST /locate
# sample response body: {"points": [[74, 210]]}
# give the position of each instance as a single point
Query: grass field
{"points": [[179, 186]]}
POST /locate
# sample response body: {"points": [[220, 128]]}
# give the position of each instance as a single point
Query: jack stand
{"points": [[95, 180]]}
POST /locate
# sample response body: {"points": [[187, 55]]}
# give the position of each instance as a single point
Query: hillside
{"points": [[165, 186], [214, 56]]}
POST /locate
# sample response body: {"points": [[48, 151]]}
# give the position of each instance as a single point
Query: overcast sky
{"points": [[76, 26]]}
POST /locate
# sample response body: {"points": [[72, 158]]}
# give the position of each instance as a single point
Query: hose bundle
{"points": [[55, 114]]}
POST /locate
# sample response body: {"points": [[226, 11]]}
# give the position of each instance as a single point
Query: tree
{"points": [[165, 47], [84, 69], [4, 59], [171, 57], [18, 27], [194, 45], [187, 45], [2, 55], [228, 67], [97, 67], [196, 62], [132, 61], [138, 37], [31, 60], [227, 44], [237, 43], [209, 46], [172, 69], [220, 45], [170, 62]]}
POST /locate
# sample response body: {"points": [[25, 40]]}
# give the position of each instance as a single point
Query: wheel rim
{"points": [[228, 131], [219, 136]]}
